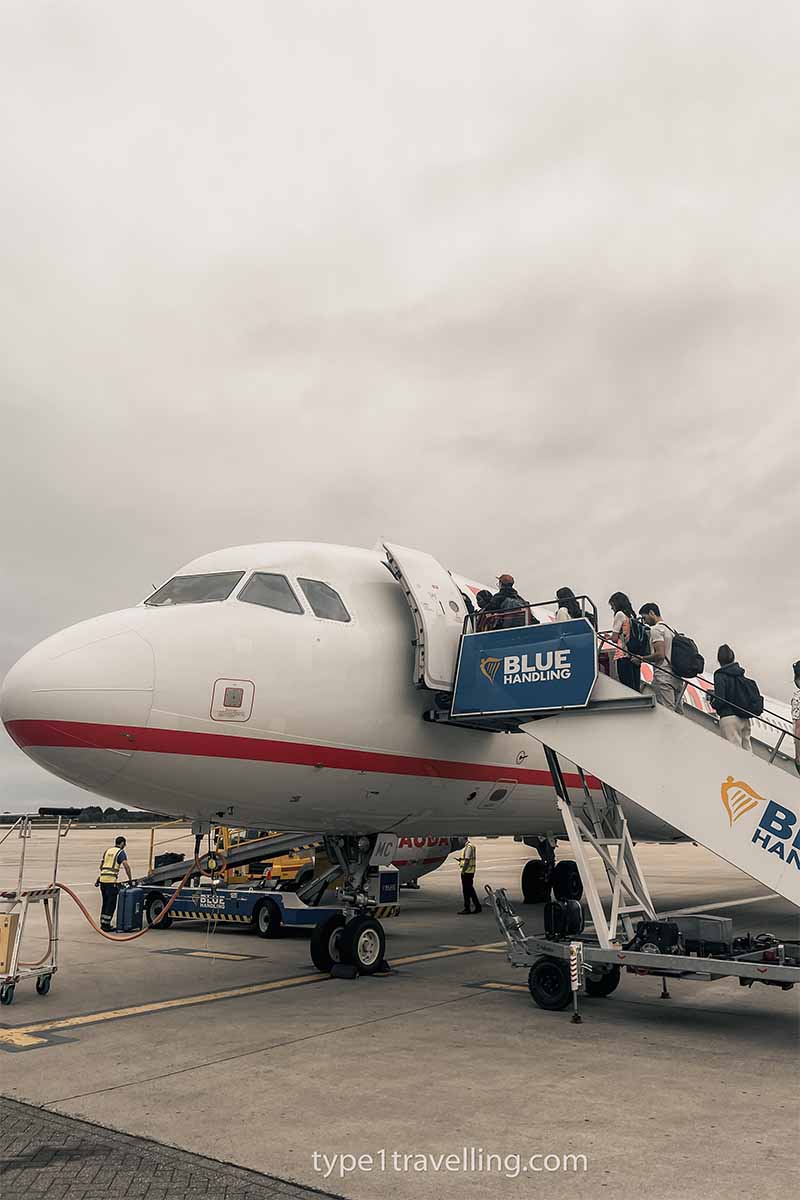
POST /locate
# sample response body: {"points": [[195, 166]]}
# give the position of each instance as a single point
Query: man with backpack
{"points": [[509, 605], [735, 700], [668, 685]]}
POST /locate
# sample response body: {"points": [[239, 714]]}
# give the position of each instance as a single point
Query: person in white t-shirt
{"points": [[668, 686]]}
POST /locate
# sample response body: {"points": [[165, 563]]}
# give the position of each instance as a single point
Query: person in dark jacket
{"points": [[508, 602], [734, 723], [484, 619], [568, 607]]}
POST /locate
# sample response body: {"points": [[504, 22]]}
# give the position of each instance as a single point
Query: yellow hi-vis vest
{"points": [[109, 867], [468, 859]]}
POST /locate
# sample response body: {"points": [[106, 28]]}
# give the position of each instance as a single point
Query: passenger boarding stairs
{"points": [[543, 681], [737, 805]]}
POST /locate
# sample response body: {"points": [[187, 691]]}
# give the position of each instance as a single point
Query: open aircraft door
{"points": [[438, 609]]}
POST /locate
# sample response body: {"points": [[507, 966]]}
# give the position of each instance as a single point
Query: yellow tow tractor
{"points": [[286, 872]]}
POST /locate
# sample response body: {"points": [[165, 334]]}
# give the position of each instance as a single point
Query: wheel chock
{"points": [[344, 971]]}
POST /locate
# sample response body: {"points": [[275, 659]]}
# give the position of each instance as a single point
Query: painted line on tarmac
{"points": [[702, 908], [28, 1037]]}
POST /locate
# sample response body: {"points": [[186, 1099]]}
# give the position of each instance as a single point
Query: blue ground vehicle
{"points": [[265, 911]]}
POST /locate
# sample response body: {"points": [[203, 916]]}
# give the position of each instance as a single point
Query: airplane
{"points": [[285, 685]]}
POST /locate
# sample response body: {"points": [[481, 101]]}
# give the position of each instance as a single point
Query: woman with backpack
{"points": [[630, 638]]}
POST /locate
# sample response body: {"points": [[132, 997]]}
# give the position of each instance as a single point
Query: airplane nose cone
{"points": [[75, 701]]}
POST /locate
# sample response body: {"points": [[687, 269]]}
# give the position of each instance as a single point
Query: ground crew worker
{"points": [[114, 858], [467, 860]]}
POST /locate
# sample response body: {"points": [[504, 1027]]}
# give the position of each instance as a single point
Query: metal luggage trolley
{"points": [[15, 906]]}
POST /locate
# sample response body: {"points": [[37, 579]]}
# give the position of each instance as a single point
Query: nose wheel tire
{"points": [[535, 882], [326, 943], [267, 920], [363, 944], [566, 880], [153, 909], [548, 982]]}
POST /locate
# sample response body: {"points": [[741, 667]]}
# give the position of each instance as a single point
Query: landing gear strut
{"points": [[354, 939]]}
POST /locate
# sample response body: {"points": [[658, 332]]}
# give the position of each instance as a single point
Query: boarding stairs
{"points": [[738, 806], [543, 681]]}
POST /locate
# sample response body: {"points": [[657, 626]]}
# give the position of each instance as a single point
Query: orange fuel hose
{"points": [[194, 869]]}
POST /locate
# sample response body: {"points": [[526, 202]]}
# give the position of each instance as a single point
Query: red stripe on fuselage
{"points": [[306, 754]]}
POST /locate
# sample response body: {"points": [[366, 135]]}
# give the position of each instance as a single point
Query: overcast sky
{"points": [[515, 283]]}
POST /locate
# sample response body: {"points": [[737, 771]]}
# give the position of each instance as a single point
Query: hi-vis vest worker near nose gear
{"points": [[468, 859], [109, 867]]}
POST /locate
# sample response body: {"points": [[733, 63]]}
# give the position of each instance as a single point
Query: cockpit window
{"points": [[196, 589], [270, 591], [324, 601]]}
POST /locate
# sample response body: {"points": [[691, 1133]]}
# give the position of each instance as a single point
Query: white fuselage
{"points": [[330, 732]]}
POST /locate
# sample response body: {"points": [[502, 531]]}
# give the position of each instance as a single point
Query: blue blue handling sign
{"points": [[531, 668]]}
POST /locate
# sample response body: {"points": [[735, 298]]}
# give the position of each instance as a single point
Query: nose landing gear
{"points": [[354, 938]]}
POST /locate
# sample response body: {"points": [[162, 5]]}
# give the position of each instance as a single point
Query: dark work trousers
{"points": [[470, 895], [109, 892], [630, 673]]}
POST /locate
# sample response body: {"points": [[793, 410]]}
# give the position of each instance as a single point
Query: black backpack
{"points": [[748, 697], [638, 638], [686, 659]]}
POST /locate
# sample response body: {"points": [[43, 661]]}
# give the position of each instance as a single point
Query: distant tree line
{"points": [[95, 815]]}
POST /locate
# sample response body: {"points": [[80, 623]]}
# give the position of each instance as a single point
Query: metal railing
{"points": [[497, 619], [488, 620], [608, 640]]}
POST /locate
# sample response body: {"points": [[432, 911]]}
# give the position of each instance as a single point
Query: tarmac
{"points": [[442, 1079]]}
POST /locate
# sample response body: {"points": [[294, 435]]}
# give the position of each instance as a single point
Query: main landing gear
{"points": [[544, 875], [351, 942]]}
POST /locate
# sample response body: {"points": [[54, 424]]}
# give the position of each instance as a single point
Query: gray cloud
{"points": [[521, 287]]}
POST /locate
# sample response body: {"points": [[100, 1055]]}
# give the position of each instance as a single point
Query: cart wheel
{"points": [[267, 920], [602, 984], [325, 942], [363, 944], [6, 993], [548, 982], [153, 909], [43, 984]]}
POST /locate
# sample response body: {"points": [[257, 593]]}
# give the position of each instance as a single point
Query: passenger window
{"points": [[270, 591], [324, 601]]}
